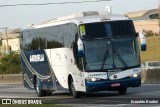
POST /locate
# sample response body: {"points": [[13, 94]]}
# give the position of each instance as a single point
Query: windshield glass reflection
{"points": [[107, 54]]}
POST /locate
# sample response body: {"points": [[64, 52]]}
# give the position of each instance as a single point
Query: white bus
{"points": [[85, 52]]}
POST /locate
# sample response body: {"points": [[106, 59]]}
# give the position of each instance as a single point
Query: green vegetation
{"points": [[153, 50], [42, 105], [10, 64], [149, 33]]}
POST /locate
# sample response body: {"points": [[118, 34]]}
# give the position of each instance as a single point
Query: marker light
{"points": [[135, 75]]}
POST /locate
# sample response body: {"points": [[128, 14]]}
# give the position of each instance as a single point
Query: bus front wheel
{"points": [[73, 91]]}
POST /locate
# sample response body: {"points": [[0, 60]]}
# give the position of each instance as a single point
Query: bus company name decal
{"points": [[97, 74], [37, 58]]}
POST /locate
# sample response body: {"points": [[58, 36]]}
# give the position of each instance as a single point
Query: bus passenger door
{"points": [[80, 78]]}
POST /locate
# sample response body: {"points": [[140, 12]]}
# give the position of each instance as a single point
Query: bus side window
{"points": [[42, 43]]}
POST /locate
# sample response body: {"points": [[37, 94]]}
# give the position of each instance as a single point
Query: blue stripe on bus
{"points": [[41, 67], [28, 74]]}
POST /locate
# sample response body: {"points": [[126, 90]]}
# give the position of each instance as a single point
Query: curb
{"points": [[11, 79]]}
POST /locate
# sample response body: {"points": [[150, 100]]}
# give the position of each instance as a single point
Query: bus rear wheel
{"points": [[38, 89], [122, 91], [48, 93], [73, 91]]}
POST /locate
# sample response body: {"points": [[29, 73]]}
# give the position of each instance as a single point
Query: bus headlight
{"points": [[135, 75], [92, 79]]}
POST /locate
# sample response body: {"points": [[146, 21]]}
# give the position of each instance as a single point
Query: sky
{"points": [[20, 16]]}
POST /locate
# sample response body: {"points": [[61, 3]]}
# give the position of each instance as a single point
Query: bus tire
{"points": [[73, 91], [48, 93], [38, 89], [122, 91]]}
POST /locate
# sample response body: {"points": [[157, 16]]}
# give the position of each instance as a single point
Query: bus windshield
{"points": [[108, 29], [108, 54]]}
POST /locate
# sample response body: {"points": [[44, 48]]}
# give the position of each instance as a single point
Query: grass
{"points": [[153, 50]]}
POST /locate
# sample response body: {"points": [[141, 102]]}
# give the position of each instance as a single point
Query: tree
{"points": [[10, 64]]}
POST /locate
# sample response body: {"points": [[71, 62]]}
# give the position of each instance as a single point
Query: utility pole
{"points": [[6, 31]]}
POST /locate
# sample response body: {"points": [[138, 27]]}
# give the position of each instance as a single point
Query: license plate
{"points": [[115, 84]]}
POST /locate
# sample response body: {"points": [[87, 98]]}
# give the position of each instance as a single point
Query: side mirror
{"points": [[80, 48], [142, 41]]}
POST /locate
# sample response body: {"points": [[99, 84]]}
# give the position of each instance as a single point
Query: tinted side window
{"points": [[49, 37], [69, 31]]}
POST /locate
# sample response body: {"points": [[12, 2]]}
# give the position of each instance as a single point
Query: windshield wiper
{"points": [[119, 56], [105, 56]]}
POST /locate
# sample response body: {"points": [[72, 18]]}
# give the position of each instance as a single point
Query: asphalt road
{"points": [[147, 92]]}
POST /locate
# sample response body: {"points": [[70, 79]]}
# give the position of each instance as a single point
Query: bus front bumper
{"points": [[112, 85]]}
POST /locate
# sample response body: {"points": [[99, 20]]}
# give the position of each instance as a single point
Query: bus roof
{"points": [[81, 18]]}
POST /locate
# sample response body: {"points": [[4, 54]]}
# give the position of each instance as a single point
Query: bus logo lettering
{"points": [[37, 58]]}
